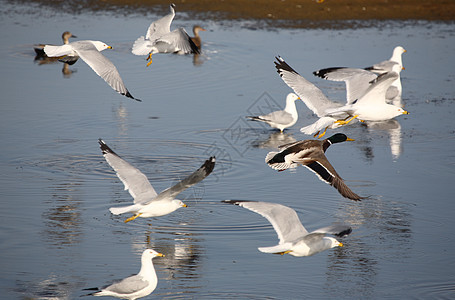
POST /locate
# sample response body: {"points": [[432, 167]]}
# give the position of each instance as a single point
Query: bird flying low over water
{"points": [[160, 39], [294, 239], [89, 51], [281, 119], [136, 286], [310, 153], [147, 203]]}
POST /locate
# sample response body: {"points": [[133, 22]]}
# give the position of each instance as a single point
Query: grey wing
{"points": [[336, 229], [312, 96], [382, 67], [180, 39], [134, 180], [189, 181], [160, 27], [128, 285], [357, 80], [103, 67], [284, 219], [376, 93], [279, 117]]}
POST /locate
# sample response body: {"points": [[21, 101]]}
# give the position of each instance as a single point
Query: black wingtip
{"points": [[127, 94], [235, 202], [281, 65], [194, 48], [209, 165], [344, 232], [105, 148], [323, 72]]}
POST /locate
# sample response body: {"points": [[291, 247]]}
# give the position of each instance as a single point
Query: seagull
{"points": [[39, 49], [294, 239], [197, 39], [89, 51], [310, 153], [314, 99], [160, 39], [358, 81], [281, 119], [372, 105], [136, 286], [387, 65], [147, 203]]}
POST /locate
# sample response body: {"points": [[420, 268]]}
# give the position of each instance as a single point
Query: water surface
{"points": [[58, 237]]}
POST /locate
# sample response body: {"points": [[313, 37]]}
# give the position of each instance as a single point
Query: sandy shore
{"points": [[287, 13]]}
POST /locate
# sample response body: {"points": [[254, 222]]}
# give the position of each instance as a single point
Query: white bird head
{"points": [[150, 253], [334, 242], [292, 97], [179, 203], [100, 46]]}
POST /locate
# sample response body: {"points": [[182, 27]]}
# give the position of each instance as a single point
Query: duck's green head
{"points": [[338, 138]]}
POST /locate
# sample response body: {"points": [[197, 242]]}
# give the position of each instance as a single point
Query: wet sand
{"points": [[281, 13]]}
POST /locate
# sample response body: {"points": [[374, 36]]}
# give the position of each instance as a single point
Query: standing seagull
{"points": [[147, 203], [160, 39], [387, 65], [281, 119], [310, 153], [89, 51], [294, 238], [136, 286]]}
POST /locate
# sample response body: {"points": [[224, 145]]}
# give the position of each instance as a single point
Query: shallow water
{"points": [[58, 237]]}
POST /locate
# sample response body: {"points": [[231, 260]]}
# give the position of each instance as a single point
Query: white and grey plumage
{"points": [[39, 48], [311, 154], [147, 203], [160, 39], [281, 119], [314, 99], [294, 238], [387, 65], [89, 51], [372, 106], [358, 81], [136, 286]]}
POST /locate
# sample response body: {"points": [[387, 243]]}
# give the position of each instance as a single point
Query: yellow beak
{"points": [[405, 112], [184, 205], [161, 254], [109, 47], [349, 139], [341, 244]]}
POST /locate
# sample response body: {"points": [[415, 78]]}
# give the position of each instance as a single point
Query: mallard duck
{"points": [[295, 240], [136, 286], [160, 39], [90, 53], [147, 203], [197, 39], [281, 119], [387, 65], [310, 153]]}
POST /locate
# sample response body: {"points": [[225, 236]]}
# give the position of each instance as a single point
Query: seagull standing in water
{"points": [[311, 154], [387, 65], [136, 286], [281, 119], [90, 52], [147, 203], [160, 39], [294, 239]]}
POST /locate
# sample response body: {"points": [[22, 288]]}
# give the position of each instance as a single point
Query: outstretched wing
{"points": [[325, 172], [180, 39], [134, 180], [284, 219], [313, 97], [357, 80], [189, 181]]}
